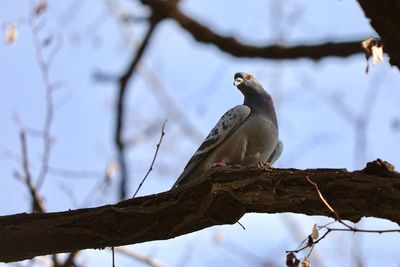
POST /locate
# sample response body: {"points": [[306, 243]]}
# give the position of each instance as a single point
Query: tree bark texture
{"points": [[385, 19], [220, 197]]}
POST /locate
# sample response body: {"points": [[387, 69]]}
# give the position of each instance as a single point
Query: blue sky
{"points": [[198, 80]]}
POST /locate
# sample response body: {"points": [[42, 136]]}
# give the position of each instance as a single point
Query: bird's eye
{"points": [[249, 77]]}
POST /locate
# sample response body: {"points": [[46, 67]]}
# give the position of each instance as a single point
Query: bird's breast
{"points": [[252, 142]]}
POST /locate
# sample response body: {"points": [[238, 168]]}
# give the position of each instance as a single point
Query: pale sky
{"points": [[312, 100]]}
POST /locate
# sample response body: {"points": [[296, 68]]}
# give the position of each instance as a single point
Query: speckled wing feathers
{"points": [[228, 123]]}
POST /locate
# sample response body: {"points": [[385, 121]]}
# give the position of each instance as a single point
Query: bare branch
{"points": [[313, 240], [221, 197], [228, 44], [113, 257], [120, 109], [154, 158], [385, 20], [27, 177], [37, 203], [329, 230], [337, 217], [36, 25]]}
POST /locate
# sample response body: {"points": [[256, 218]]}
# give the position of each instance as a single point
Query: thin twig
{"points": [[27, 177], [324, 200], [54, 51], [49, 111], [309, 253], [44, 65], [113, 256], [120, 110], [37, 203], [353, 229], [160, 91], [306, 246], [348, 228], [244, 228], [154, 158], [357, 230]]}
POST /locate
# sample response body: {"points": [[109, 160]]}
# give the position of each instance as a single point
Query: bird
{"points": [[245, 134]]}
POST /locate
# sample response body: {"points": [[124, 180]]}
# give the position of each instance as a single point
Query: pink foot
{"points": [[219, 164]]}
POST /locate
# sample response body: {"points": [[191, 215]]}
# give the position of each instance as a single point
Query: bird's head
{"points": [[247, 84], [254, 94]]}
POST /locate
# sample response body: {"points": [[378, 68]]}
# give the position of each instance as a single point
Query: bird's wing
{"points": [[276, 153], [228, 124]]}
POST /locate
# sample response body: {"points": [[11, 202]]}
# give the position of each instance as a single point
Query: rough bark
{"points": [[385, 19], [221, 197]]}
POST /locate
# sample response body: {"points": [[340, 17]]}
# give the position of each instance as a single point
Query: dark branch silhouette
{"points": [[228, 44], [385, 19], [120, 108], [220, 197]]}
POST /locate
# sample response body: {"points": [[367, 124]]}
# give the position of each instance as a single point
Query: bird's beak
{"points": [[237, 81]]}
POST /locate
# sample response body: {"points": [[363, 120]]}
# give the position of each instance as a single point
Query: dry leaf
{"points": [[292, 260], [40, 8], [10, 34], [377, 54], [373, 47], [305, 263], [111, 169], [314, 232]]}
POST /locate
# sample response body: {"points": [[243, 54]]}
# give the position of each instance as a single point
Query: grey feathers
{"points": [[244, 135], [231, 120]]}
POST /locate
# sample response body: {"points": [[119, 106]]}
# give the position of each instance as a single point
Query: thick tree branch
{"points": [[169, 9], [385, 19], [221, 197]]}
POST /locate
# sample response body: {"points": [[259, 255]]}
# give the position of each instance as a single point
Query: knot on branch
{"points": [[381, 168]]}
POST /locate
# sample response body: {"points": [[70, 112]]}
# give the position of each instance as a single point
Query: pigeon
{"points": [[245, 134]]}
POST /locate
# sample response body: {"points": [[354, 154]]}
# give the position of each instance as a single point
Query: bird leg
{"points": [[221, 164]]}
